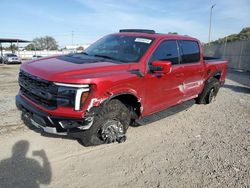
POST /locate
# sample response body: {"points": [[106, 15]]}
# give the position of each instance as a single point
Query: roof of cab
{"points": [[152, 34]]}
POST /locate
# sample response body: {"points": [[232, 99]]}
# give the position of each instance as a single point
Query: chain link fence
{"points": [[237, 53]]}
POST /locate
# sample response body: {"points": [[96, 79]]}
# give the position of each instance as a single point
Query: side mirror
{"points": [[162, 67]]}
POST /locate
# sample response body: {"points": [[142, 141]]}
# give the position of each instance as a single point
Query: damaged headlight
{"points": [[72, 95]]}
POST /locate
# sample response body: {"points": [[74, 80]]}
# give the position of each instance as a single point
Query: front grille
{"points": [[40, 91]]}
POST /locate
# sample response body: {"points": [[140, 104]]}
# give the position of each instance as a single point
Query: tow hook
{"points": [[26, 117], [121, 138]]}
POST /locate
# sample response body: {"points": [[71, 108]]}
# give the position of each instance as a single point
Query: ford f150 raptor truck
{"points": [[95, 95]]}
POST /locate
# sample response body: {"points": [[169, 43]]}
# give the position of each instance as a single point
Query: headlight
{"points": [[66, 96], [72, 95]]}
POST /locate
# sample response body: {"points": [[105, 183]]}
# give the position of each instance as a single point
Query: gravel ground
{"points": [[202, 146]]}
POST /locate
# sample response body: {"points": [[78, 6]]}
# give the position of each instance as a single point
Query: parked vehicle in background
{"points": [[94, 95], [10, 58], [36, 56]]}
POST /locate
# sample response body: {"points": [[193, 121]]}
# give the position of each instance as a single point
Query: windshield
{"points": [[120, 48]]}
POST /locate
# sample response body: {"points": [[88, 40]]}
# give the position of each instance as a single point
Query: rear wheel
{"points": [[209, 92], [210, 95], [110, 125]]}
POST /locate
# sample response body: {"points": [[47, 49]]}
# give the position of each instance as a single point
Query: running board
{"points": [[164, 113]]}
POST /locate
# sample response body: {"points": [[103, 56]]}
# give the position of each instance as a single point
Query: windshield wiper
{"points": [[108, 57], [104, 56], [98, 55], [85, 53]]}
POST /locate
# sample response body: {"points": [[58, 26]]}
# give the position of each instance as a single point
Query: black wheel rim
{"points": [[111, 131]]}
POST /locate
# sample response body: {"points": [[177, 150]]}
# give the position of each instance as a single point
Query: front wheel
{"points": [[110, 125]]}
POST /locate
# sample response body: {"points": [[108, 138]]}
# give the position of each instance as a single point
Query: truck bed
{"points": [[213, 65], [211, 59]]}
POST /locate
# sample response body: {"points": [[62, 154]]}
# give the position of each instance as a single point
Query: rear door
{"points": [[162, 90], [193, 68]]}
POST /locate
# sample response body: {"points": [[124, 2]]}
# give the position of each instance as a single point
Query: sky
{"points": [[84, 21]]}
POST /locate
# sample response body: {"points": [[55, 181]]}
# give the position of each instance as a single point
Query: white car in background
{"points": [[36, 56], [10, 58]]}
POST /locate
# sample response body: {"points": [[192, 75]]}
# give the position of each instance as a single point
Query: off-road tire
{"points": [[114, 109], [212, 84]]}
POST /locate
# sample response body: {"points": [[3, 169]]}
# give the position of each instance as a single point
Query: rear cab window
{"points": [[190, 51]]}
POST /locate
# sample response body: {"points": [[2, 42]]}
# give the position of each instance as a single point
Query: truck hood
{"points": [[72, 68]]}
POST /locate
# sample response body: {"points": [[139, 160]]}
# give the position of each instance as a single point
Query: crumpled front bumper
{"points": [[32, 116]]}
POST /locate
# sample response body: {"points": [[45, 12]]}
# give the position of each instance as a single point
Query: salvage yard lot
{"points": [[205, 145]]}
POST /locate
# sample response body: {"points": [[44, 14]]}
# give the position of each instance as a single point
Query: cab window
{"points": [[167, 51], [190, 51]]}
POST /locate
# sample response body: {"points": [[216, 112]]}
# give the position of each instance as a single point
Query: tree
{"points": [[175, 33], [30, 47], [80, 48], [45, 43], [12, 48], [244, 34]]}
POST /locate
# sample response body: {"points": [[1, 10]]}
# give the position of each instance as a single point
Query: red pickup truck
{"points": [[95, 95]]}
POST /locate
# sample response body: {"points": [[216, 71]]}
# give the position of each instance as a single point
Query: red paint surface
{"points": [[154, 91]]}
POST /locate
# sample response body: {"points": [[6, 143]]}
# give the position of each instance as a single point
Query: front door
{"points": [[163, 90]]}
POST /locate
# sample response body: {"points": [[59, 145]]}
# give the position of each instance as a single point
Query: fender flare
{"points": [[134, 103], [120, 94]]}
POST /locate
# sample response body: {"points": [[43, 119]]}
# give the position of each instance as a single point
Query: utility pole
{"points": [[18, 48], [1, 46], [72, 38], [225, 46], [210, 22]]}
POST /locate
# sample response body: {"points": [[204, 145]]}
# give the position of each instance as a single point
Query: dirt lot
{"points": [[203, 146]]}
